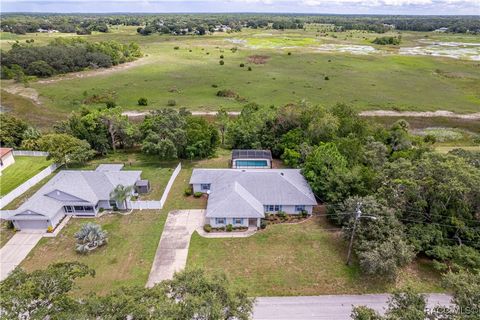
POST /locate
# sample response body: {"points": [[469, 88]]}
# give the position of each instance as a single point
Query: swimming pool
{"points": [[251, 164]]}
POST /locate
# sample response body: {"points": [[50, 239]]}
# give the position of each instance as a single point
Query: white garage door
{"points": [[32, 224]]}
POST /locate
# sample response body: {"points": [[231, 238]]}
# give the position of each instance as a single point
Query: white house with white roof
{"points": [[72, 192], [242, 197]]}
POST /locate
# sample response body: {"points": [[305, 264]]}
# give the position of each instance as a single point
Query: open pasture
{"points": [[323, 67]]}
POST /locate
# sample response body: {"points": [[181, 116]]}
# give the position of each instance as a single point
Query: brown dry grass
{"points": [[258, 59]]}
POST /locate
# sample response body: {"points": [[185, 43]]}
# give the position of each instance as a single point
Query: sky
{"points": [[409, 7]]}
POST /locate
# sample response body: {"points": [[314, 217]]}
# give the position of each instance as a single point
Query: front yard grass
{"points": [[23, 169], [298, 259]]}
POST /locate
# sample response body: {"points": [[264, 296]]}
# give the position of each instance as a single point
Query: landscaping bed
{"points": [[285, 218], [228, 228]]}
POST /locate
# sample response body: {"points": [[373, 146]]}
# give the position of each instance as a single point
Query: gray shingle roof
{"points": [[109, 167], [71, 186], [241, 190]]}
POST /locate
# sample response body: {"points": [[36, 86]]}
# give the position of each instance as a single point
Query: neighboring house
{"points": [[72, 192], [251, 159], [6, 158], [242, 197]]}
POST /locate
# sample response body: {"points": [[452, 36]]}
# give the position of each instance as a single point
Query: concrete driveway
{"points": [[172, 251], [17, 249]]}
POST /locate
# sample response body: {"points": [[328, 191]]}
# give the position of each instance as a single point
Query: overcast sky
{"points": [[448, 7]]}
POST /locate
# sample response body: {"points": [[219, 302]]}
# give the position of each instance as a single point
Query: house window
{"points": [[299, 208], [68, 209], [113, 203], [237, 221], [272, 208], [88, 209], [205, 186], [220, 220]]}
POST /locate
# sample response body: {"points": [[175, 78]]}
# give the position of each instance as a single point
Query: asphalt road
{"points": [[334, 307]]}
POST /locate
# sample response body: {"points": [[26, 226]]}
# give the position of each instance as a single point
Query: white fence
{"points": [[6, 199], [155, 204], [170, 183], [30, 153], [144, 204]]}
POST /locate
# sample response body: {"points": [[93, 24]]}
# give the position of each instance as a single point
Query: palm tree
{"points": [[90, 237], [121, 194]]}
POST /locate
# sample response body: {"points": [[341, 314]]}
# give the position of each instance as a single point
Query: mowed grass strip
{"points": [[23, 169], [297, 259]]}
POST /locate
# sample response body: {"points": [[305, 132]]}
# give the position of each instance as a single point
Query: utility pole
{"points": [[358, 214]]}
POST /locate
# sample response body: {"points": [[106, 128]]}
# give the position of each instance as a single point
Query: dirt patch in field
{"points": [[258, 59], [427, 114], [96, 72], [22, 91]]}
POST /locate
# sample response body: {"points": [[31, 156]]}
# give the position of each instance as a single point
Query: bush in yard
{"points": [[221, 62], [304, 214], [263, 224], [242, 65], [171, 103], [50, 229], [227, 93], [90, 237], [197, 194], [229, 228], [188, 192], [289, 53], [221, 56], [142, 102], [207, 228], [249, 68], [110, 104], [176, 48], [327, 78], [281, 214]]}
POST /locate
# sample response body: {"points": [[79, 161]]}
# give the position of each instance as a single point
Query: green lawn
{"points": [[23, 169], [302, 259]]}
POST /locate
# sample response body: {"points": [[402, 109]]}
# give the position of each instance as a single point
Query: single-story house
{"points": [[242, 197], [6, 158], [72, 192], [251, 159]]}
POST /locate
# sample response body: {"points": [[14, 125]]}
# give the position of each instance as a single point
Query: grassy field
{"points": [[192, 74], [301, 259], [23, 169]]}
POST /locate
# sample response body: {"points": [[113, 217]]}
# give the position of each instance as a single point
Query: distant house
{"points": [[443, 29], [72, 192], [6, 158], [242, 197], [250, 159]]}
